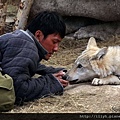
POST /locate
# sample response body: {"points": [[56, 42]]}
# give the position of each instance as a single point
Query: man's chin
{"points": [[46, 58]]}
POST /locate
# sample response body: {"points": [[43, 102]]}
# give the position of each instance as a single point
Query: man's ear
{"points": [[39, 35]]}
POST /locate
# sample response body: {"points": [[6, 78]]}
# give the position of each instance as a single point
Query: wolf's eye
{"points": [[79, 66]]}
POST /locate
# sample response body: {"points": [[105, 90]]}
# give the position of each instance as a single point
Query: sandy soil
{"points": [[81, 98]]}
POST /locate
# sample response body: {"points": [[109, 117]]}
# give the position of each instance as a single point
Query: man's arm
{"points": [[28, 89], [42, 69], [56, 72]]}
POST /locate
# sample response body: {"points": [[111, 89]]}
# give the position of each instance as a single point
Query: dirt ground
{"points": [[98, 100], [89, 99]]}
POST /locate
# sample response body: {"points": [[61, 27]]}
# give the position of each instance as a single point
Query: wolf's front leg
{"points": [[107, 80]]}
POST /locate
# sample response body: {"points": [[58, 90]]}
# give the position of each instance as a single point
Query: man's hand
{"points": [[59, 77]]}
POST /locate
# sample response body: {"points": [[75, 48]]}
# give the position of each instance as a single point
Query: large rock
{"points": [[106, 10], [103, 32], [81, 13]]}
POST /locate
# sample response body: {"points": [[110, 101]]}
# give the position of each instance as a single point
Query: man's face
{"points": [[50, 43]]}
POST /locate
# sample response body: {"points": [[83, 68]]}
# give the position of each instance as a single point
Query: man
{"points": [[21, 52]]}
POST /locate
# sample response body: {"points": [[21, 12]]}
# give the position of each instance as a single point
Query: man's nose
{"points": [[56, 47]]}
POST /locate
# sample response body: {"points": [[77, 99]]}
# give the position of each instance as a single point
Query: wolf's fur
{"points": [[101, 62]]}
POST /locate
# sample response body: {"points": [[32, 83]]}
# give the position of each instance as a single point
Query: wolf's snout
{"points": [[68, 78], [65, 77]]}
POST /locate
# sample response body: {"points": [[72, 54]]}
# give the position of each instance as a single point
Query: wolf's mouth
{"points": [[70, 81], [74, 81]]}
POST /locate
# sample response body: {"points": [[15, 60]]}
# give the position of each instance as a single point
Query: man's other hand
{"points": [[59, 77]]}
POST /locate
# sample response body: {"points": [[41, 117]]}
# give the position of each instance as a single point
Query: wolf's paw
{"points": [[97, 81]]}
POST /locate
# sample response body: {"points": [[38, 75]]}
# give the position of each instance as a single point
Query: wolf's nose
{"points": [[64, 77]]}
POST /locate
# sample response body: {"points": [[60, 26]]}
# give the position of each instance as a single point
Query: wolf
{"points": [[99, 65]]}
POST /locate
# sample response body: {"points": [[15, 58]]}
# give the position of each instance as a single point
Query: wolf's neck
{"points": [[108, 64]]}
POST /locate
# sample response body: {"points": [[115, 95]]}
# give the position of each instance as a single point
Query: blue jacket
{"points": [[20, 55]]}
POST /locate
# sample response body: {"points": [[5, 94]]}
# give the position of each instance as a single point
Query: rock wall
{"points": [[79, 14], [106, 10]]}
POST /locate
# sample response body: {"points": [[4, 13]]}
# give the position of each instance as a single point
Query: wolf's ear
{"points": [[100, 54], [91, 43]]}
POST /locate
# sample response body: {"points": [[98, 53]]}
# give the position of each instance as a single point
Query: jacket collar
{"points": [[41, 50]]}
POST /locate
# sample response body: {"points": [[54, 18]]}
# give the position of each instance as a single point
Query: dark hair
{"points": [[48, 23]]}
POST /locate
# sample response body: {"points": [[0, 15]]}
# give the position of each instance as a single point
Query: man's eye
{"points": [[55, 40], [79, 66]]}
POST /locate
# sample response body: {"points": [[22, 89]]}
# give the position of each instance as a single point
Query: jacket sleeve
{"points": [[34, 88], [42, 69]]}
